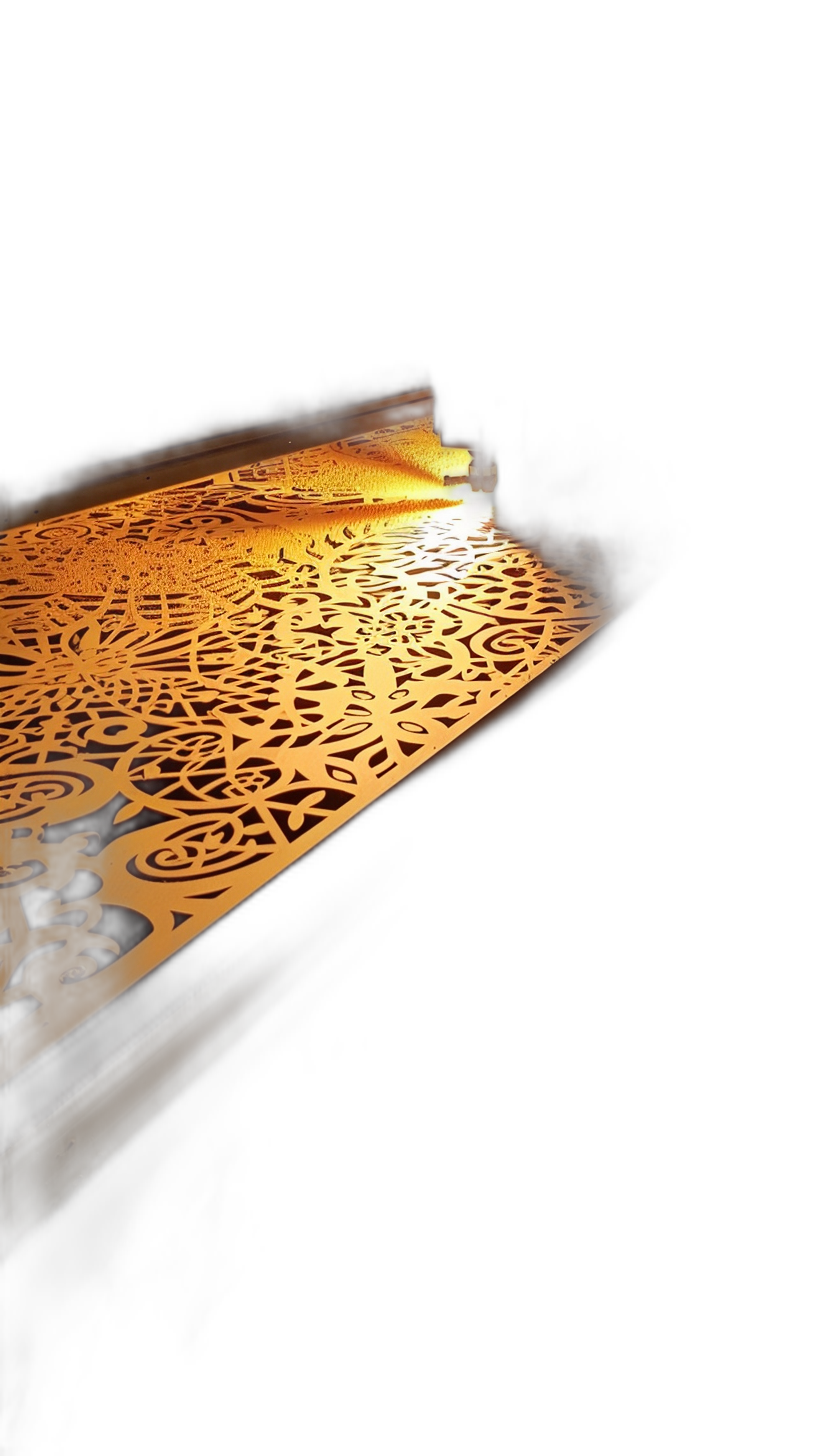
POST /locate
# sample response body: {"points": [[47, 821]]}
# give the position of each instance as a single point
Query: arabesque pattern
{"points": [[200, 683]]}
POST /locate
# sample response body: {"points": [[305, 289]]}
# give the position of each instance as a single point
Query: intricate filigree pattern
{"points": [[200, 683]]}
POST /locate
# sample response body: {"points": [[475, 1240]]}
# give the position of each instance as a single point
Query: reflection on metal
{"points": [[483, 473], [200, 683]]}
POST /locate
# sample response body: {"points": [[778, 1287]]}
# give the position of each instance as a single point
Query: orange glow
{"points": [[202, 682]]}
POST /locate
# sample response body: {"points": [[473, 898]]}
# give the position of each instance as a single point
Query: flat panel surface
{"points": [[202, 682]]}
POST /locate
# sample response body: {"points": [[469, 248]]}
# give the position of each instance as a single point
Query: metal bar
{"points": [[101, 484]]}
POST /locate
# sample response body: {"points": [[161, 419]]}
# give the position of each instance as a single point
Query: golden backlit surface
{"points": [[200, 683]]}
